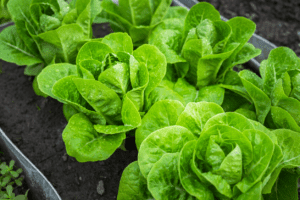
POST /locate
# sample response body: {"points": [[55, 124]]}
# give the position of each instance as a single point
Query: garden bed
{"points": [[35, 125]]}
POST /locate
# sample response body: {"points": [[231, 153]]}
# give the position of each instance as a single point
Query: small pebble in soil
{"points": [[100, 187], [65, 157], [77, 179], [59, 145]]}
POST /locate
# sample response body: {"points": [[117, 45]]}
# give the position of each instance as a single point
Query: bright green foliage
{"points": [[104, 93], [46, 32], [4, 14], [137, 17], [201, 51], [9, 180], [133, 184], [208, 46], [212, 154], [275, 94]]}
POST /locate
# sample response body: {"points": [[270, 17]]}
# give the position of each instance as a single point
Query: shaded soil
{"points": [[35, 125], [276, 20]]}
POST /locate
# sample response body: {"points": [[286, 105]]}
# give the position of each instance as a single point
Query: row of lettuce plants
{"points": [[202, 130]]}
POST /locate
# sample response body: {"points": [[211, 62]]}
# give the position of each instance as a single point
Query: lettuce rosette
{"points": [[200, 50], [201, 152], [104, 93], [138, 17], [275, 96], [46, 32]]}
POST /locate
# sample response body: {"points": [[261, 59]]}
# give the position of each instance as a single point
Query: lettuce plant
{"points": [[104, 93], [4, 14], [200, 49], [201, 152], [275, 95], [46, 32], [137, 17]]}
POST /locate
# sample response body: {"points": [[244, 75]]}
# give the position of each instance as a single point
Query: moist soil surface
{"points": [[35, 124]]}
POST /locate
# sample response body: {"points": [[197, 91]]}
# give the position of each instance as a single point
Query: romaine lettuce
{"points": [[104, 93]]}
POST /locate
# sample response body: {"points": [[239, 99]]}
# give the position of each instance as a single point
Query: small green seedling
{"points": [[9, 179]]}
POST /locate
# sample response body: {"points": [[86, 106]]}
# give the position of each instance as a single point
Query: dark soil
{"points": [[35, 125], [276, 20]]}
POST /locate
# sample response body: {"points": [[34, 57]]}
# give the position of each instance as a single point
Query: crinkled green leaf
{"points": [[198, 13], [160, 11], [20, 14], [267, 178], [291, 105], [36, 88], [261, 101], [188, 178], [186, 90], [103, 99], [176, 12], [280, 60], [67, 38], [289, 143], [116, 78], [85, 144], [195, 116], [232, 101], [33, 70], [212, 93], [13, 48], [229, 135], [69, 111], [263, 149], [242, 30], [155, 62], [253, 193], [163, 180], [90, 67], [87, 10], [167, 140], [162, 114], [119, 42], [231, 119], [132, 184], [231, 168], [66, 91], [286, 187], [192, 51], [163, 92], [53, 73], [135, 11], [295, 80], [93, 51], [282, 119], [247, 113]]}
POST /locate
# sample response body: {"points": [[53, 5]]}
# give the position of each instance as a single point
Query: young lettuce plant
{"points": [[104, 93], [276, 95], [137, 17], [202, 152], [46, 32], [200, 49]]}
